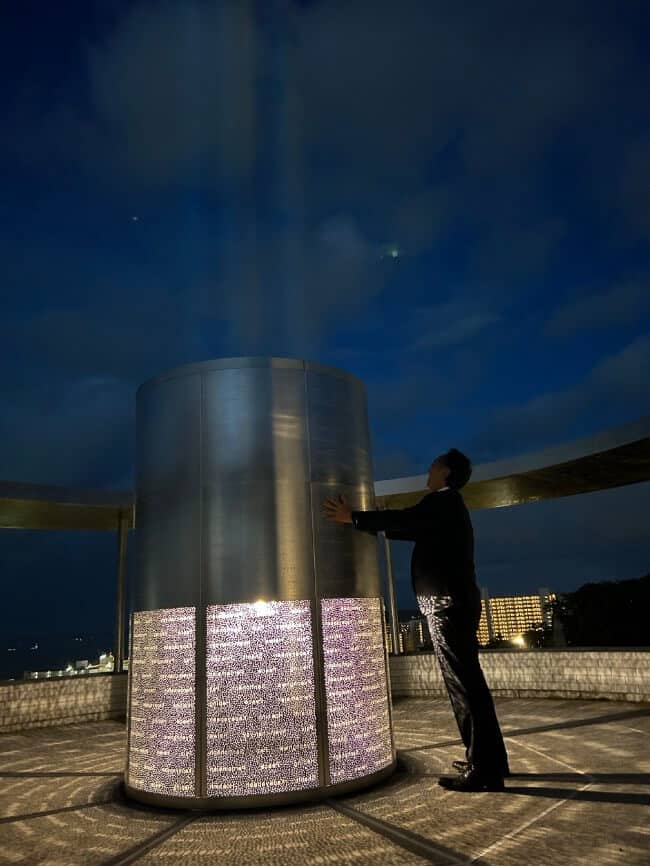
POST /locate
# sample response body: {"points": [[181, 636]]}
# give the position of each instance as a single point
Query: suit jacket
{"points": [[443, 556]]}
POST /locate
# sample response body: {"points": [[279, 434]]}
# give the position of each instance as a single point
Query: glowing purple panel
{"points": [[358, 720], [161, 746], [261, 719]]}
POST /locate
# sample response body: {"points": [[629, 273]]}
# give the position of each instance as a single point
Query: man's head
{"points": [[452, 469]]}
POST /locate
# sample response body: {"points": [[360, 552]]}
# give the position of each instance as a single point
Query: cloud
{"points": [[174, 90], [634, 186], [442, 326], [74, 434], [395, 463], [556, 529], [622, 378], [617, 305], [618, 382], [508, 251], [454, 324], [116, 334], [284, 291]]}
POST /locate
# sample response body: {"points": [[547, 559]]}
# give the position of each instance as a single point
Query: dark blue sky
{"points": [[189, 180]]}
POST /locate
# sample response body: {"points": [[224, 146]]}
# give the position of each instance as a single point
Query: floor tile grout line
{"points": [[557, 760], [19, 774], [25, 816], [628, 728], [142, 848], [614, 718], [523, 827], [405, 839]]}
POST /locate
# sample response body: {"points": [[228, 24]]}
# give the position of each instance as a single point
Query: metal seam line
{"points": [[129, 683], [392, 602], [389, 694], [200, 628], [122, 535], [318, 658]]}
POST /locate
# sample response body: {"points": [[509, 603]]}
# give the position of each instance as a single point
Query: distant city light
{"points": [[135, 219], [394, 253]]}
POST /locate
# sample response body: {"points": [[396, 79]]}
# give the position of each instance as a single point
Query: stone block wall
{"points": [[619, 675], [42, 703]]}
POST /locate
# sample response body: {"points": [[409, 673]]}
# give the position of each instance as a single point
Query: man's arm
{"points": [[428, 517], [408, 523]]}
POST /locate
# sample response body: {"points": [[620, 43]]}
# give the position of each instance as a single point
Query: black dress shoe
{"points": [[471, 780], [463, 766]]}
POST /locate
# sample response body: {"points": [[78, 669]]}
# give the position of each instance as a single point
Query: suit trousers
{"points": [[453, 632]]}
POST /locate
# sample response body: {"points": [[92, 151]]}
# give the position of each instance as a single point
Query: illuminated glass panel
{"points": [[358, 719], [161, 748], [261, 718]]}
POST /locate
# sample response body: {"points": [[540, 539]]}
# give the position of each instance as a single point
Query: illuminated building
{"points": [[508, 617], [258, 670], [414, 634]]}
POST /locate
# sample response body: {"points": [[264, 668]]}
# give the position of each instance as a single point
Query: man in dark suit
{"points": [[444, 581]]}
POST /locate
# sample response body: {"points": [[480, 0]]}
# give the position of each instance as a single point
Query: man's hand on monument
{"points": [[337, 510]]}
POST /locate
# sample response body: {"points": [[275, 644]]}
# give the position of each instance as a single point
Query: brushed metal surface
{"points": [[256, 522], [234, 460], [346, 559], [168, 496], [338, 431]]}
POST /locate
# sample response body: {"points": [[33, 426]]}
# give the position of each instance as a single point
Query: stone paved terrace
{"points": [[579, 794]]}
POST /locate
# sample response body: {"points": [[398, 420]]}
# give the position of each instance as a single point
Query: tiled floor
{"points": [[579, 794]]}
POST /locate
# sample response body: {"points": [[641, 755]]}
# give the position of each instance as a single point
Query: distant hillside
{"points": [[608, 613]]}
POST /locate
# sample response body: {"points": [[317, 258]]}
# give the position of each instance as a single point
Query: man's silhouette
{"points": [[444, 581]]}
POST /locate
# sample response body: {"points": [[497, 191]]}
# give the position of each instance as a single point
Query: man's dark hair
{"points": [[460, 468]]}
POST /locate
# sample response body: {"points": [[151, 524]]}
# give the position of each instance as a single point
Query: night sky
{"points": [[449, 200]]}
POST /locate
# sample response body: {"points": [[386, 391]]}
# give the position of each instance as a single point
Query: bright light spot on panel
{"points": [[263, 608], [518, 640]]}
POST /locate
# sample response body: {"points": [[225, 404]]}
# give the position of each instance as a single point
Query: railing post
{"points": [[122, 534], [392, 603]]}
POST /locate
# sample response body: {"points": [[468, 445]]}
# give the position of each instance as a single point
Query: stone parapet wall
{"points": [[44, 703], [619, 675], [622, 675]]}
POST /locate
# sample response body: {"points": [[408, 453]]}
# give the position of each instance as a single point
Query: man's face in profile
{"points": [[438, 473]]}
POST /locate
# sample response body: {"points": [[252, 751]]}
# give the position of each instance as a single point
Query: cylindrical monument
{"points": [[257, 670]]}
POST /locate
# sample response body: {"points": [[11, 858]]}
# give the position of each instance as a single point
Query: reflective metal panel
{"points": [[256, 522], [346, 559], [168, 540], [235, 459], [338, 430]]}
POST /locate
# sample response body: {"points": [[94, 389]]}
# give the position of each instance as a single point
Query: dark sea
{"points": [[49, 652]]}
